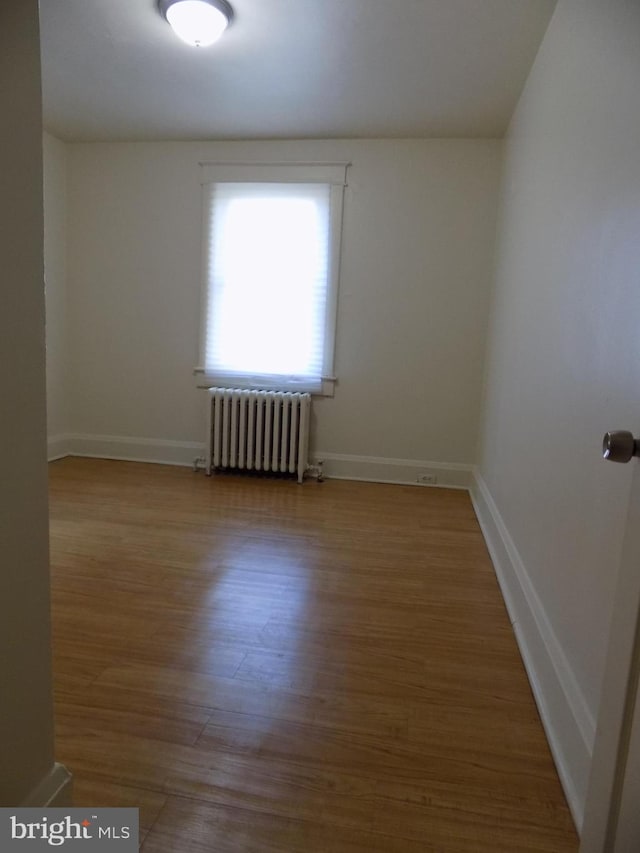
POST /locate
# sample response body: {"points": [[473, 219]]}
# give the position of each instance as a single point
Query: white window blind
{"points": [[271, 267]]}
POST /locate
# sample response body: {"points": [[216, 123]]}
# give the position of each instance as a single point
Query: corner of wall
{"points": [[55, 175]]}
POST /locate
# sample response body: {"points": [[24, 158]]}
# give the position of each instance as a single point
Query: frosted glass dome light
{"points": [[197, 22]]}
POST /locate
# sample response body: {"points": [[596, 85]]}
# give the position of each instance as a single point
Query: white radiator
{"points": [[258, 430]]}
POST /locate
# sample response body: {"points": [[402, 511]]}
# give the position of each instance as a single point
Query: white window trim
{"points": [[334, 174]]}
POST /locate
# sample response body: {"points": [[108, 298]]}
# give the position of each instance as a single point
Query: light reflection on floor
{"points": [[250, 588]]}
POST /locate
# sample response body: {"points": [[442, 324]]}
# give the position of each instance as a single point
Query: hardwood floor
{"points": [[272, 668]]}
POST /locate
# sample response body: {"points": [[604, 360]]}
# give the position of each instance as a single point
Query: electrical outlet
{"points": [[427, 479]]}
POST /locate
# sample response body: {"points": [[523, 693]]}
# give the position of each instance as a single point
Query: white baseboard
{"points": [[161, 451], [57, 447], [372, 469], [568, 723], [54, 791], [379, 469]]}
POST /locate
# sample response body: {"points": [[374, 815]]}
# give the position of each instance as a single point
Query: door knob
{"points": [[620, 446]]}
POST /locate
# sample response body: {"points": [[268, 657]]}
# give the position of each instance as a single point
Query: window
{"points": [[271, 264]]}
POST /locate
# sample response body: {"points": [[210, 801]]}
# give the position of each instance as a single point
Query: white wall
{"points": [[28, 773], [564, 360], [418, 245], [55, 271]]}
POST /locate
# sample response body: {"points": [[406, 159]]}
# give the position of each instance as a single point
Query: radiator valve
{"points": [[316, 470]]}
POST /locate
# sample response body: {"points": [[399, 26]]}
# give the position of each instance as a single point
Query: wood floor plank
{"points": [[94, 793], [128, 713], [268, 667], [194, 827], [334, 709]]}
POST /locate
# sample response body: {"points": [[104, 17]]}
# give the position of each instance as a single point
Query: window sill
{"points": [[207, 381]]}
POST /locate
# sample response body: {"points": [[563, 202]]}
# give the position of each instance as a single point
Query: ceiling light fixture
{"points": [[197, 22]]}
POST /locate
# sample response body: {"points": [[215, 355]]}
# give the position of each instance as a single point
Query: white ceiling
{"points": [[114, 70]]}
